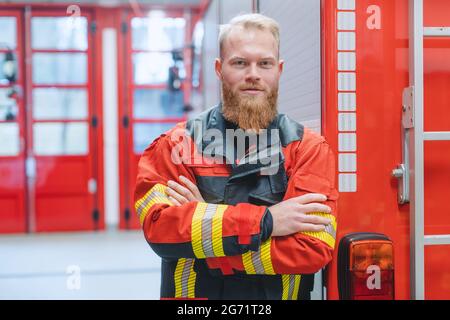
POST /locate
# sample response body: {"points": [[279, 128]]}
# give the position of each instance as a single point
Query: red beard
{"points": [[252, 113]]}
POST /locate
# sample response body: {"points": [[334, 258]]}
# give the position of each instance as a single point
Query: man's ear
{"points": [[280, 66], [218, 68]]}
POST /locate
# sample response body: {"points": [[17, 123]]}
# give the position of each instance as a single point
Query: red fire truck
{"points": [[386, 67]]}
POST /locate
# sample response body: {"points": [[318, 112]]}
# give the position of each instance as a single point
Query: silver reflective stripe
{"points": [[147, 200], [257, 263], [329, 229], [207, 230], [185, 277], [291, 287]]}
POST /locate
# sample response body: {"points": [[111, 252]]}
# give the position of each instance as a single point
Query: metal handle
{"points": [[397, 173], [402, 170], [403, 183]]}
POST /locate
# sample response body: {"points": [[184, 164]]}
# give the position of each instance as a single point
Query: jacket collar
{"points": [[266, 159]]}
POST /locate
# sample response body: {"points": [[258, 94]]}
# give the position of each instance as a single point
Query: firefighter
{"points": [[240, 201]]}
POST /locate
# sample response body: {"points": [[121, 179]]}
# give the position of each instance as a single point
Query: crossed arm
{"points": [[289, 216]]}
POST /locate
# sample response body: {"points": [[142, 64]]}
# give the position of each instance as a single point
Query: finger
{"points": [[180, 198], [310, 218], [308, 227], [192, 187], [181, 190], [315, 207], [310, 197], [174, 201]]}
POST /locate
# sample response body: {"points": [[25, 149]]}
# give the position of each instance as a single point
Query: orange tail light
{"points": [[366, 267]]}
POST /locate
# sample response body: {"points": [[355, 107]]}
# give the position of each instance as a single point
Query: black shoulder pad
{"points": [[290, 130]]}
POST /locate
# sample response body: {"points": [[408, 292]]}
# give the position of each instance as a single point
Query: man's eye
{"points": [[239, 63], [266, 64]]}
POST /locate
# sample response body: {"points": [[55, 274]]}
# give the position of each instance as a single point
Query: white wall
{"points": [[209, 53], [110, 128], [219, 12], [300, 84], [231, 8]]}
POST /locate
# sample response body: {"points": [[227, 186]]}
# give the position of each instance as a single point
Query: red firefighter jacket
{"points": [[222, 248]]}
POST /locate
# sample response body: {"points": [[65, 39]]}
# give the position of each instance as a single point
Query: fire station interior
{"points": [[85, 87]]}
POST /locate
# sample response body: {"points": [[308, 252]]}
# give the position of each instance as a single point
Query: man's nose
{"points": [[252, 73]]}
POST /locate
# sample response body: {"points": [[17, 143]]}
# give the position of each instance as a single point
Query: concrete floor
{"points": [[103, 265]]}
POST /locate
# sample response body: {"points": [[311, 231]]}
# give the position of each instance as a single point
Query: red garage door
{"points": [[48, 154], [61, 123], [156, 50]]}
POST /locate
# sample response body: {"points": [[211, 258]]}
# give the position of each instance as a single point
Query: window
{"points": [[8, 35], [145, 133], [59, 104], [158, 33], [60, 138], [59, 68], [59, 74], [9, 139], [63, 33], [157, 104]]}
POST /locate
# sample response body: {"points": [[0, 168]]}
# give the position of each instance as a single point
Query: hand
{"points": [[292, 215], [181, 194]]}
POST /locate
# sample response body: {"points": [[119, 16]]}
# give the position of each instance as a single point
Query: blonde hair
{"points": [[249, 21]]}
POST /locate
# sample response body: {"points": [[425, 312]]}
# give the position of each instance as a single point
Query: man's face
{"points": [[250, 73]]}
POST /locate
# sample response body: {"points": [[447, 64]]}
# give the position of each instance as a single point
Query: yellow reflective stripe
{"points": [[155, 200], [217, 231], [291, 286], [185, 277], [156, 195], [177, 276], [285, 280], [197, 230], [297, 280], [328, 236], [328, 216], [191, 281], [259, 262], [266, 257], [206, 230], [248, 263], [323, 236]]}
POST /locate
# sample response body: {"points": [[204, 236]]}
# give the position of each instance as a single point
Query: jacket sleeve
{"points": [[312, 170], [195, 229]]}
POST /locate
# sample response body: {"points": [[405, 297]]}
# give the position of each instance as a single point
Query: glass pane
{"points": [[197, 38], [153, 67], [9, 139], [59, 68], [53, 103], [60, 33], [8, 34], [3, 79], [60, 138], [145, 133], [196, 63], [158, 33], [157, 104], [8, 106]]}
